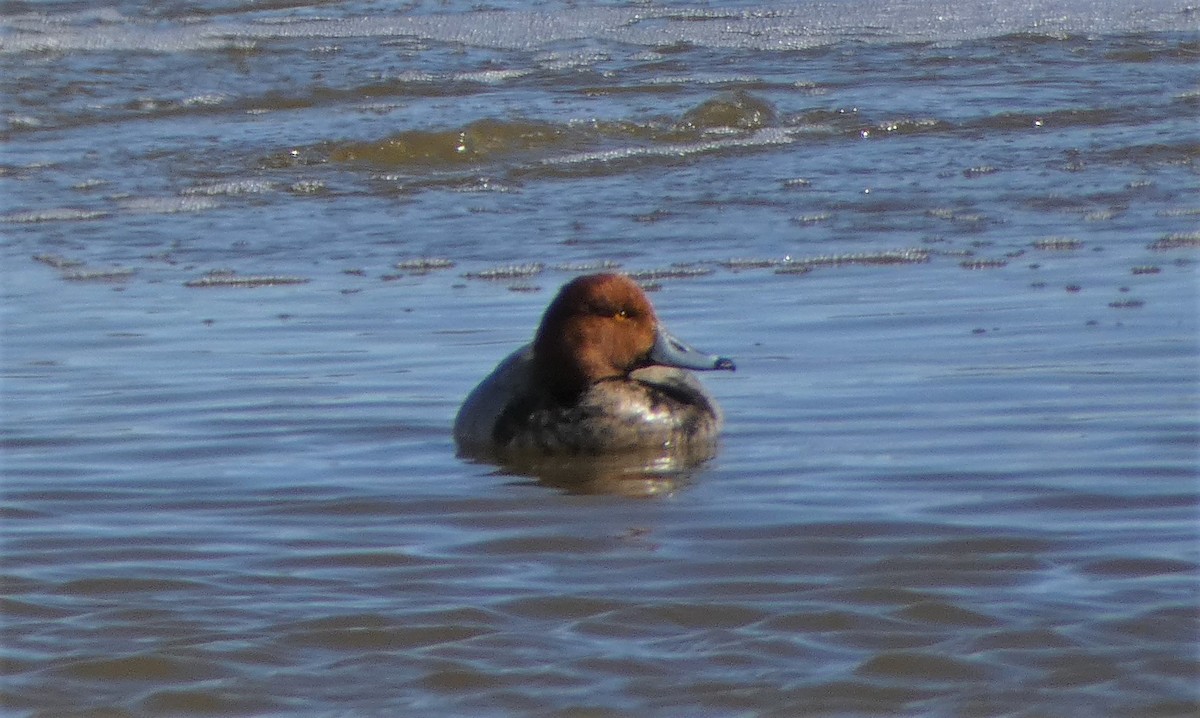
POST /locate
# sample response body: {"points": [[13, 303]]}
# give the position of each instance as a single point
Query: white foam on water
{"points": [[767, 28], [167, 205], [760, 138]]}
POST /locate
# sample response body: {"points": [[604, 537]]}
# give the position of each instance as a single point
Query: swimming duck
{"points": [[601, 377]]}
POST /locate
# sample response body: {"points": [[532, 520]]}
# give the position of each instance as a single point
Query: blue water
{"points": [[953, 252]]}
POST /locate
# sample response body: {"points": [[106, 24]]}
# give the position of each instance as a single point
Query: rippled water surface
{"points": [[255, 254]]}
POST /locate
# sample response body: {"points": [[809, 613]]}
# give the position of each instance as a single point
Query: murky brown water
{"points": [[253, 258]]}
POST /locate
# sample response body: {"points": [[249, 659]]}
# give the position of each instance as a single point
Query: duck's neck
{"points": [[566, 376]]}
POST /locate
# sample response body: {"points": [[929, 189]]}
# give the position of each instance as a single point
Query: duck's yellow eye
{"points": [[612, 311]]}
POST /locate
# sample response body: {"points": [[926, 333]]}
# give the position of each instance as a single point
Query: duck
{"points": [[602, 377]]}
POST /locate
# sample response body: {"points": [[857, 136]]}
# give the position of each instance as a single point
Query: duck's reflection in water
{"points": [[637, 475]]}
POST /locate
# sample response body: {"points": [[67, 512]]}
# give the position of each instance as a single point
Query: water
{"points": [[953, 251]]}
